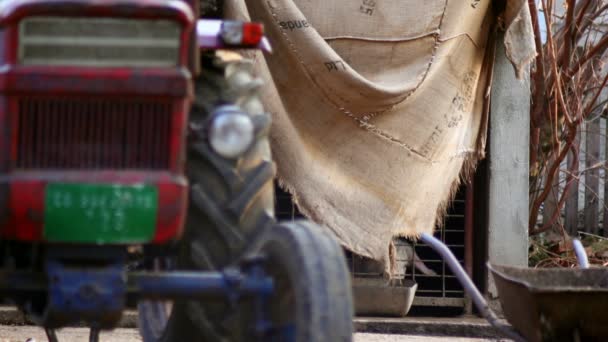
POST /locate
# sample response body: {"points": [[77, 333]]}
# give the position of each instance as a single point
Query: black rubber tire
{"points": [[312, 282], [231, 202]]}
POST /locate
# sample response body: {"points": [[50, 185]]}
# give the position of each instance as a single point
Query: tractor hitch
{"points": [[96, 296]]}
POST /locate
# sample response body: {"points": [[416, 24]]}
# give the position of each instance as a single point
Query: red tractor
{"points": [[135, 168]]}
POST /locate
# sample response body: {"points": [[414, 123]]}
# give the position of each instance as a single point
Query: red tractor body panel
{"points": [[27, 206], [115, 125]]}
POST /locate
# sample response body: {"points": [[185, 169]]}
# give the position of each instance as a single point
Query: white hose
{"points": [[581, 254], [469, 287]]}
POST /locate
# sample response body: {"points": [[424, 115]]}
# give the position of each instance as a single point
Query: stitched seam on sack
{"points": [[458, 36], [437, 36], [304, 65], [363, 123], [381, 40]]}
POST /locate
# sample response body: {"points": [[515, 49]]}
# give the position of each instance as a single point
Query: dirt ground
{"points": [[22, 334]]}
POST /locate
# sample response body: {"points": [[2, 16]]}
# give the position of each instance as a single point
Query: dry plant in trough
{"points": [[567, 79]]}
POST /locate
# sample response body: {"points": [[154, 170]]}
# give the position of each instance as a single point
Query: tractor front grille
{"points": [[56, 133]]}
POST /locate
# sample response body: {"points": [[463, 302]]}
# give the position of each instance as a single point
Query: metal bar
{"points": [[169, 285], [196, 284], [422, 276], [468, 229], [434, 301], [448, 244], [468, 237], [414, 246], [443, 274], [476, 296], [431, 261], [439, 291]]}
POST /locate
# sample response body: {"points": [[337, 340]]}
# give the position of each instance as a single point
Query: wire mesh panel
{"points": [[441, 288], [437, 286]]}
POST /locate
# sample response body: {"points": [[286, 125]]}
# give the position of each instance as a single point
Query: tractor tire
{"points": [[312, 297], [231, 203]]}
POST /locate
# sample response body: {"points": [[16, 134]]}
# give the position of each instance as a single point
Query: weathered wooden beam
{"points": [[592, 179], [605, 208], [571, 210]]}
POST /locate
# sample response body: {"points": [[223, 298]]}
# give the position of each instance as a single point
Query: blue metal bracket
{"points": [[250, 281], [263, 327], [96, 295], [93, 295]]}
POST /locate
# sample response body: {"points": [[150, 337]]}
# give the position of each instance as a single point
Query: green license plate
{"points": [[94, 213]]}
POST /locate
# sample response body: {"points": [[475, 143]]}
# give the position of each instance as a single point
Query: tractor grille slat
{"points": [[93, 134], [99, 42]]}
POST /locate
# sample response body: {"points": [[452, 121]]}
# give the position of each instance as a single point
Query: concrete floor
{"points": [[12, 329], [361, 337], [23, 333]]}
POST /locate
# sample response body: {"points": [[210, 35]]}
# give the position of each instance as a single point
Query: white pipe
{"points": [[469, 287], [581, 254]]}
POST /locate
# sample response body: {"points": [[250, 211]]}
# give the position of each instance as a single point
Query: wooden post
{"points": [[571, 219], [605, 208], [592, 179], [550, 204]]}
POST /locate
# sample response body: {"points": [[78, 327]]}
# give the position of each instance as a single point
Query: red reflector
{"points": [[252, 33]]}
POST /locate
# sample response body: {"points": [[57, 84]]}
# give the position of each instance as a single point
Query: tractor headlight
{"points": [[231, 132]]}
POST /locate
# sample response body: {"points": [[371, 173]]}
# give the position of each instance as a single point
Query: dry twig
{"points": [[567, 80]]}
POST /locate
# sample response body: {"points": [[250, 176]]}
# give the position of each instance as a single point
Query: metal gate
{"points": [[443, 289], [440, 291]]}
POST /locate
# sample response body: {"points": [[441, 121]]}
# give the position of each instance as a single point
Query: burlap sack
{"points": [[378, 105]]}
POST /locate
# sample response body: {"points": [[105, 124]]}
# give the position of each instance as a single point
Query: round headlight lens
{"points": [[231, 132]]}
